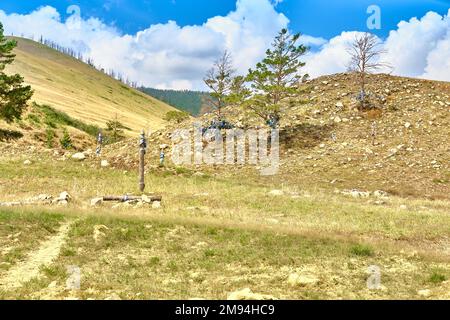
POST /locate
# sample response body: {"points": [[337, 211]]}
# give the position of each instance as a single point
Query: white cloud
{"points": [[415, 45], [418, 48], [332, 56], [170, 56], [163, 55]]}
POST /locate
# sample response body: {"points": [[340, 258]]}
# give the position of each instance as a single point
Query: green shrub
{"points": [[437, 277], [53, 118], [66, 141], [176, 116], [50, 137], [362, 250], [34, 118], [114, 130]]}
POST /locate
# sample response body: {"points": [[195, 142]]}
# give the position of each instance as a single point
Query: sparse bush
{"points": [[176, 116], [66, 141], [154, 261], [34, 118], [115, 129], [53, 118], [437, 277], [50, 137], [362, 250]]}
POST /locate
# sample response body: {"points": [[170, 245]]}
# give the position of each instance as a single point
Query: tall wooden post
{"points": [[142, 151]]}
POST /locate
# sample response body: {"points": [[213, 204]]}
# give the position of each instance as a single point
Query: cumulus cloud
{"points": [[418, 48], [163, 55], [171, 56], [332, 56]]}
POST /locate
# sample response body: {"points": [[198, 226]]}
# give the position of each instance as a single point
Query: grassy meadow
{"points": [[214, 236]]}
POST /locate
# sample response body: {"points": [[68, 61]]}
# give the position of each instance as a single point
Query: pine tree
{"points": [[13, 95], [239, 92], [277, 76]]}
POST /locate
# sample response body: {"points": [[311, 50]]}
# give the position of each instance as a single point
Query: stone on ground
{"points": [[299, 280], [96, 202], [247, 294], [79, 156], [98, 234], [156, 205], [424, 293], [104, 164], [276, 193]]}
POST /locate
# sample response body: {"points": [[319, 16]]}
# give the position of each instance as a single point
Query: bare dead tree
{"points": [[219, 80], [365, 52]]}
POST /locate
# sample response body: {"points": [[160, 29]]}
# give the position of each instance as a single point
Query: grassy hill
{"points": [[82, 92], [187, 100]]}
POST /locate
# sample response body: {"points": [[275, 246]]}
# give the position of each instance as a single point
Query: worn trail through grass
{"points": [[30, 268]]}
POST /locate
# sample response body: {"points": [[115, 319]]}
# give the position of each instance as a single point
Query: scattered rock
{"points": [[296, 280], [96, 202], [64, 196], [104, 164], [63, 203], [199, 174], [408, 125], [337, 120], [113, 297], [381, 194], [98, 234], [340, 105], [79, 156], [44, 197], [146, 199], [156, 205], [247, 294], [276, 193], [356, 193], [27, 162], [424, 293]]}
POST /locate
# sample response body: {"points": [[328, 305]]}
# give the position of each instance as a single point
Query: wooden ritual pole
{"points": [[142, 151]]}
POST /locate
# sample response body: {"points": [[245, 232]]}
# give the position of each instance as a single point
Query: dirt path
{"points": [[29, 269]]}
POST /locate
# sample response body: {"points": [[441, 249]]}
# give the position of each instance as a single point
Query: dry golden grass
{"points": [[83, 92], [217, 235]]}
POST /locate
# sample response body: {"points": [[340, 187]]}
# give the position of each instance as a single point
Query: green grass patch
{"points": [[362, 250], [437, 276], [53, 118]]}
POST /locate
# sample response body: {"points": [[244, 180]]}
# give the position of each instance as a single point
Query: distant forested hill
{"points": [[190, 101]]}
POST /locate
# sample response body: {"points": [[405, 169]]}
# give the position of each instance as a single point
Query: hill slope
{"points": [[187, 100], [83, 92], [327, 143]]}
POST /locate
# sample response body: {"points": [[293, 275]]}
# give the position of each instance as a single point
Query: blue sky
{"points": [[136, 38], [320, 18]]}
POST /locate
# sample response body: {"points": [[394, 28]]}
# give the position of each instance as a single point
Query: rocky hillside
{"points": [[327, 143]]}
